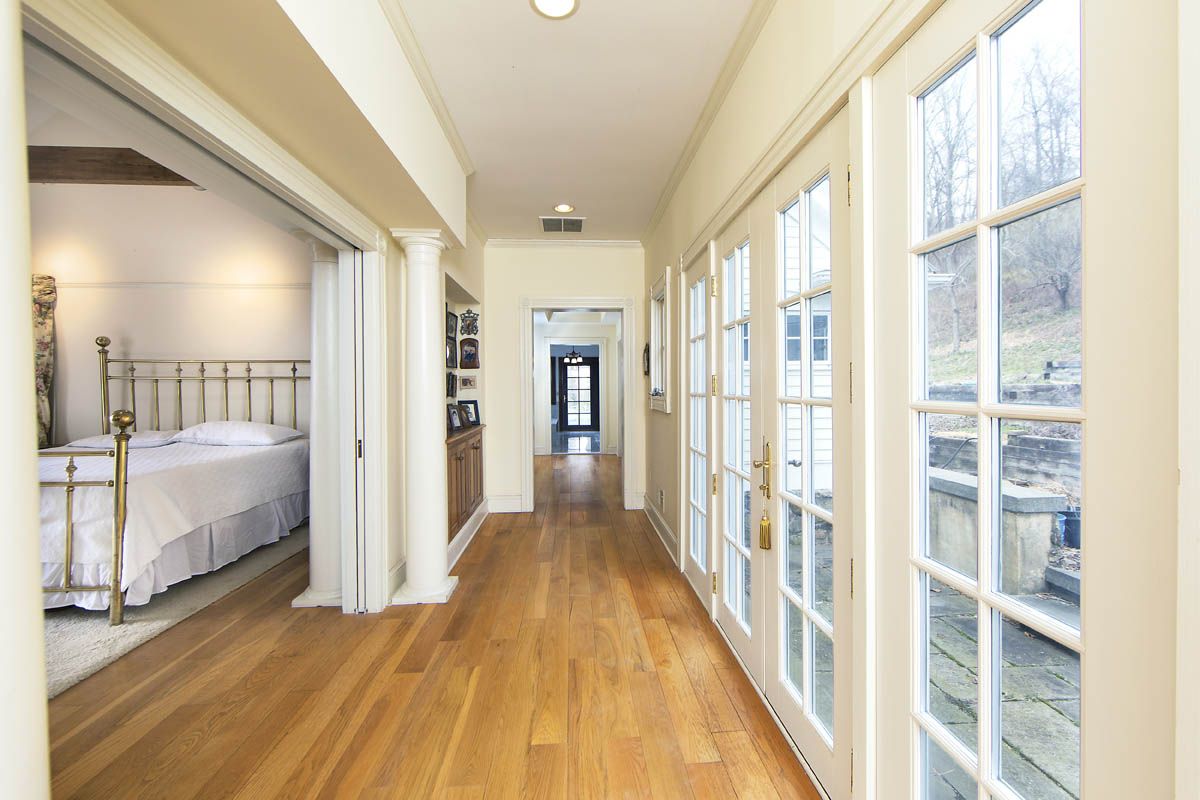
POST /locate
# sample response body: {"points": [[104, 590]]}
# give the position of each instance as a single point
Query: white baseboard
{"points": [[396, 577], [669, 539], [541, 450], [635, 501], [504, 504], [310, 599], [465, 534]]}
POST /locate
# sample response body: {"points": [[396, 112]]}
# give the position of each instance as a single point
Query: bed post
{"points": [[104, 342], [116, 604]]}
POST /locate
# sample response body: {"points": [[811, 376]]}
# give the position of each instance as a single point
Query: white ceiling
{"points": [[593, 110]]}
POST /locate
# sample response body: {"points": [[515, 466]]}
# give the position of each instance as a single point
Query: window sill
{"points": [[660, 403]]}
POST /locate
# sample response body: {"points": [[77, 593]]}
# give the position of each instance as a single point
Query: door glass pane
{"points": [[1038, 88], [822, 564], [948, 120], [700, 423], [700, 366], [822, 677], [699, 307], [572, 372], [731, 575], [795, 549], [818, 234], [951, 322], [793, 449], [794, 648], [744, 274], [1042, 537], [952, 661], [1041, 308], [699, 538], [737, 508], [952, 491], [944, 779], [821, 457], [789, 224], [820, 322], [733, 302], [793, 350], [744, 358], [747, 584], [1039, 714]]}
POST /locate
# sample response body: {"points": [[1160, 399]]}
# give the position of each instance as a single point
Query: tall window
{"points": [[997, 554], [806, 410]]}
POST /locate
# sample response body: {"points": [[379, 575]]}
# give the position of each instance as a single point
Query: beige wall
{"points": [[798, 46], [539, 271], [164, 272]]}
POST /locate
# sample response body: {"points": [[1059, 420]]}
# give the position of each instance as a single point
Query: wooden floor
{"points": [[572, 661]]}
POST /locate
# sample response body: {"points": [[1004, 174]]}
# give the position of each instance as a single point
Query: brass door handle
{"points": [[765, 466]]}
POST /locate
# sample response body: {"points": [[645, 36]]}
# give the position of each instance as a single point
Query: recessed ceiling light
{"points": [[555, 9], [564, 208]]}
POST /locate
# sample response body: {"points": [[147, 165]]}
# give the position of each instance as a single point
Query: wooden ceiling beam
{"points": [[98, 165]]}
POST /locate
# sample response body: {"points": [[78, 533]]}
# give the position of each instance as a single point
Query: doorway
{"points": [[577, 381]]}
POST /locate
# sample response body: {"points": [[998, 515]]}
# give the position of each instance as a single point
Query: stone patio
{"points": [[1039, 703]]}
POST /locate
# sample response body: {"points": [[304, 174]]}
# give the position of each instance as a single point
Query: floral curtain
{"points": [[44, 297]]}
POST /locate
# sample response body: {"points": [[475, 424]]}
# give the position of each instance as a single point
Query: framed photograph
{"points": [[451, 385], [471, 410], [646, 359], [454, 420], [467, 382], [451, 353], [451, 323], [470, 354]]}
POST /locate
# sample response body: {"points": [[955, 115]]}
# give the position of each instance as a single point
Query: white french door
{"points": [[784, 485], [739, 613], [807, 584], [1009, 480], [701, 472]]}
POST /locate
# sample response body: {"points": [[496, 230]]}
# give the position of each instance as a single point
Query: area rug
{"points": [[80, 643]]}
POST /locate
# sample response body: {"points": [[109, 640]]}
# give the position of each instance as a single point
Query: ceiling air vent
{"points": [[562, 224]]}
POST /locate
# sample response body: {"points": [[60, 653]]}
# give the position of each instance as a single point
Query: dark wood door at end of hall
{"points": [[579, 395]]}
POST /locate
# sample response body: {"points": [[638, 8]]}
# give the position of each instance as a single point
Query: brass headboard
{"points": [[199, 372]]}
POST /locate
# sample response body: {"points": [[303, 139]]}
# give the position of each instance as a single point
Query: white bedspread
{"points": [[172, 490]]}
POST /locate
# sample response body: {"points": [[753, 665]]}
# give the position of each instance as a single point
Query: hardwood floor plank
{"points": [[664, 762], [574, 660], [746, 770], [626, 767], [691, 723]]}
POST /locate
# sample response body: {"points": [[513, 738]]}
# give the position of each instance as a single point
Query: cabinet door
{"points": [[475, 459], [453, 488]]}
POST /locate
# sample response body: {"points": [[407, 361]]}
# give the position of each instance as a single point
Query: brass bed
{"points": [[203, 375]]}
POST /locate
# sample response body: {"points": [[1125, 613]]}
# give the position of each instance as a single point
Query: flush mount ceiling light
{"points": [[564, 208], [555, 9]]}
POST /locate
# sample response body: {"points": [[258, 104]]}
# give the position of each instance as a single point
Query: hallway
{"points": [[572, 661]]}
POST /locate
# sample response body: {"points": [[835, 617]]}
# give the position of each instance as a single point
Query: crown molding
{"points": [[756, 20], [407, 38], [113, 50], [474, 227], [615, 243], [304, 287], [431, 234]]}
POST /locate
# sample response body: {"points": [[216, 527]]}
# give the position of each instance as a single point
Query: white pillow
{"points": [[237, 434], [136, 440]]}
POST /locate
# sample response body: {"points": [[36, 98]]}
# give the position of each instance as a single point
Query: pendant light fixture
{"points": [[573, 357]]}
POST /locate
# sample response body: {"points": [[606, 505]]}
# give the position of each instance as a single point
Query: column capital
{"points": [[430, 237]]}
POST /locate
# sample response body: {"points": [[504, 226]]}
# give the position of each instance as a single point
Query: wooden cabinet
{"points": [[464, 476]]}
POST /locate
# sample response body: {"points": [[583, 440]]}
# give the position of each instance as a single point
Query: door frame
{"points": [[632, 479]]}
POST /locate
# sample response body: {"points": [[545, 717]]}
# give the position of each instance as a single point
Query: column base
{"points": [[407, 597], [314, 599]]}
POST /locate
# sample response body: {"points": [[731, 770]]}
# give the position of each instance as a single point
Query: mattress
{"points": [[191, 508]]}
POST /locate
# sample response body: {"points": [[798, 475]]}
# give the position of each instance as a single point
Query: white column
{"points": [[24, 750], [324, 543], [425, 524]]}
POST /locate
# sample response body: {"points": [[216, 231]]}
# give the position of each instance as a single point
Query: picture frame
{"points": [[470, 323], [468, 382], [451, 323], [451, 385], [454, 420], [470, 354], [451, 353], [471, 408], [646, 360]]}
